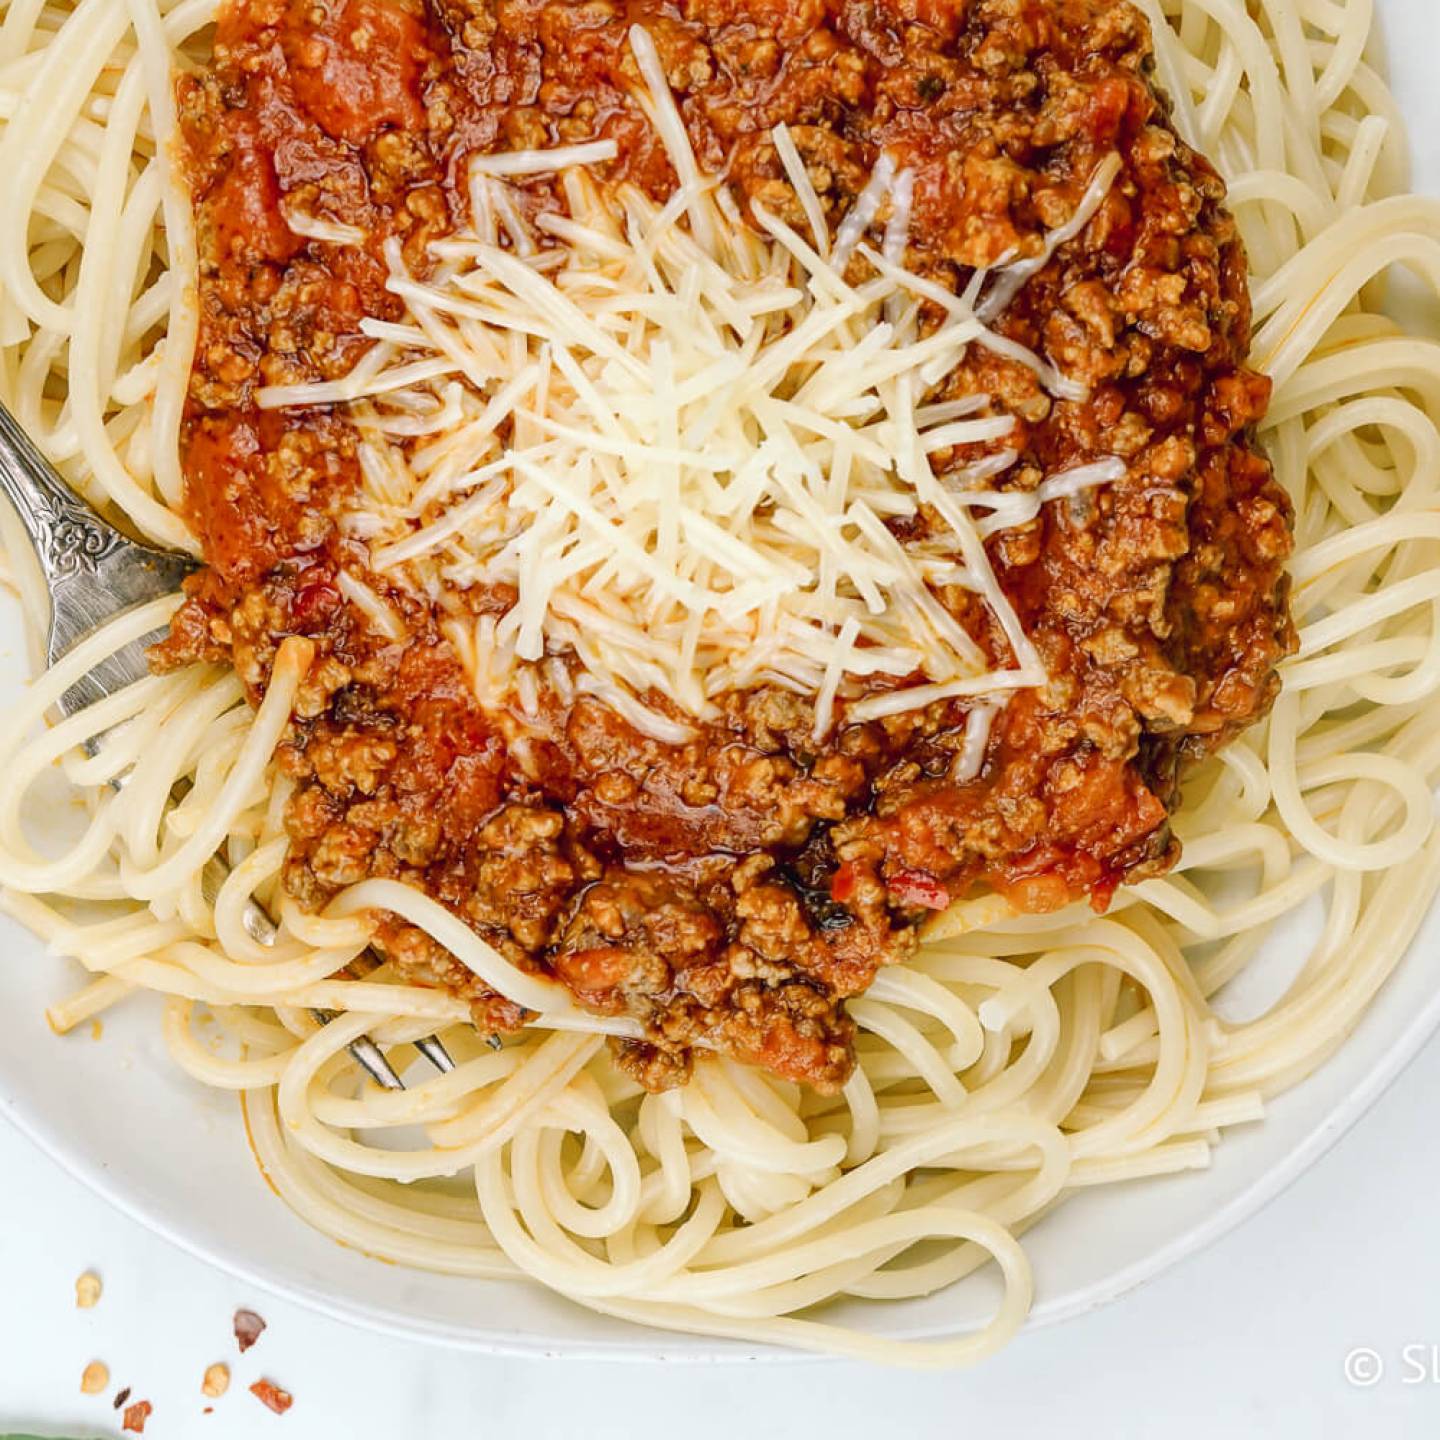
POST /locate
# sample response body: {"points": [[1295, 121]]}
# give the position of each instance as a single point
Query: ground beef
{"points": [[732, 892]]}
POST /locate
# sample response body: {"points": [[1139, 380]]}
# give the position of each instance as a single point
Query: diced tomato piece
{"points": [[359, 69], [915, 887], [591, 971]]}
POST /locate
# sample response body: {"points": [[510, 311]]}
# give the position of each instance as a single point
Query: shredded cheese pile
{"points": [[679, 437]]}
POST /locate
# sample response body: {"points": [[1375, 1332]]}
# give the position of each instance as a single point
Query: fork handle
{"points": [[68, 536]]}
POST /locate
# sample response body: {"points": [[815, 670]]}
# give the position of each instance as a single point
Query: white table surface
{"points": [[1248, 1339]]}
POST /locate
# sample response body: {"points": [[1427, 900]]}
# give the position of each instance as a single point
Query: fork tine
{"points": [[368, 1053], [263, 930], [436, 1053], [368, 1056]]}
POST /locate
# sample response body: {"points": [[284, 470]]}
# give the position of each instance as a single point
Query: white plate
{"points": [[119, 1115]]}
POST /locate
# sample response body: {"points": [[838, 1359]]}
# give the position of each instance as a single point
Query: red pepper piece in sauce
{"points": [[842, 885], [315, 602], [915, 887]]}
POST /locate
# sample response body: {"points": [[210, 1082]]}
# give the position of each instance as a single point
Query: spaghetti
{"points": [[1012, 1059]]}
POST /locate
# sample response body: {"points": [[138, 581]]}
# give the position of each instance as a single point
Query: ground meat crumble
{"points": [[733, 891]]}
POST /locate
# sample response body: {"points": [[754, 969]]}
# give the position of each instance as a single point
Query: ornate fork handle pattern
{"points": [[92, 571], [69, 538], [75, 546]]}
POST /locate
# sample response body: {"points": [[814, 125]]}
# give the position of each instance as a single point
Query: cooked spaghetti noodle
{"points": [[1014, 1058]]}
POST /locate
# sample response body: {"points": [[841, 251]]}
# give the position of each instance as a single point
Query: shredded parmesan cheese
{"points": [[537, 162], [1011, 279], [315, 227], [380, 613], [679, 440], [971, 759]]}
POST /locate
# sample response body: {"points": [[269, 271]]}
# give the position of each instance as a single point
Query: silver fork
{"points": [[94, 573]]}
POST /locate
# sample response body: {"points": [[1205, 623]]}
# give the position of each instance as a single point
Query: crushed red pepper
{"points": [[732, 892], [136, 1415], [272, 1396], [248, 1329]]}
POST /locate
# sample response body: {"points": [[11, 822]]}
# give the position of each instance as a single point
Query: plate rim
{"points": [[1321, 1137]]}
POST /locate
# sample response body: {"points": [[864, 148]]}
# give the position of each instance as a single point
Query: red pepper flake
{"points": [[915, 887], [314, 604], [136, 1416], [248, 1329], [122, 1397], [842, 885], [269, 1393]]}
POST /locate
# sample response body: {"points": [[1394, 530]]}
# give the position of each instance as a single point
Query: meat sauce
{"points": [[732, 892]]}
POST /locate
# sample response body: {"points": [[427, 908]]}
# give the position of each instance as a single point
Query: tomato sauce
{"points": [[733, 891]]}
